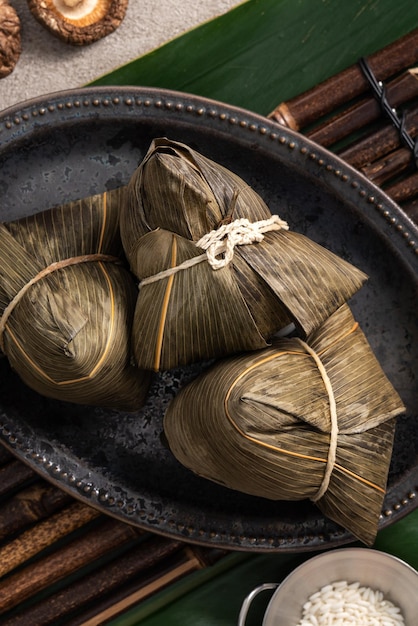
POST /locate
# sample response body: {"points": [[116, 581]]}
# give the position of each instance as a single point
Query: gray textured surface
{"points": [[48, 64]]}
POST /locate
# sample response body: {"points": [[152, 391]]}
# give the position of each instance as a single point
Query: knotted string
{"points": [[220, 244], [241, 232]]}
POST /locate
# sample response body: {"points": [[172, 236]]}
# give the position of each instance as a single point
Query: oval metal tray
{"points": [[77, 143]]}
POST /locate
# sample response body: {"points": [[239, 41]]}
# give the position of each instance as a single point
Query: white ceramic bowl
{"points": [[371, 568]]}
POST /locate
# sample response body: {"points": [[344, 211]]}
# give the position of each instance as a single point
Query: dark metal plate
{"points": [[77, 143]]}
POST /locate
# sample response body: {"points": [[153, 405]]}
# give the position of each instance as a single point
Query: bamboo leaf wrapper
{"points": [[174, 199], [66, 304], [266, 423]]}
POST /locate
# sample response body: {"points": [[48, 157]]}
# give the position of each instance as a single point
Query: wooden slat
{"points": [[13, 475], [63, 560]]}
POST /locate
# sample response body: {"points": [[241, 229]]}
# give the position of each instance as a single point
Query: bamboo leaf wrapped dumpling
{"points": [[299, 420], [206, 290], [67, 304]]}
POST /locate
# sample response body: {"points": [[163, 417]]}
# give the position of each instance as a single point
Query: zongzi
{"points": [[218, 273], [67, 304], [298, 420]]}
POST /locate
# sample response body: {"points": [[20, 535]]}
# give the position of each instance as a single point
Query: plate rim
{"points": [[103, 103]]}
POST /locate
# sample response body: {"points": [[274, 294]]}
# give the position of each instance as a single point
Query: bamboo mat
{"points": [[62, 562], [374, 129]]}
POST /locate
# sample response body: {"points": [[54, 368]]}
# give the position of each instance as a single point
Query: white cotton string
{"points": [[222, 241], [241, 232], [173, 270], [332, 450]]}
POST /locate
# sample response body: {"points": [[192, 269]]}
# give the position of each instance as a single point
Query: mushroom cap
{"points": [[10, 42], [79, 23]]}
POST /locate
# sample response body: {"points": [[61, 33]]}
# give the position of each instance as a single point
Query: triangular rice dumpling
{"points": [[297, 420], [67, 304], [218, 273]]}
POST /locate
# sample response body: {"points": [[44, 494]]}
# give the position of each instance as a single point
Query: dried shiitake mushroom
{"points": [[10, 46], [79, 22]]}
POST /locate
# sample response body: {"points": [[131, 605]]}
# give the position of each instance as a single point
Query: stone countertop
{"points": [[47, 64]]}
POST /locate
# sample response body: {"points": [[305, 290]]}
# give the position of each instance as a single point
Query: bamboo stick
{"points": [[189, 560], [145, 560], [389, 166], [311, 105], [404, 190], [152, 587], [5, 455], [399, 91], [411, 209], [13, 475], [44, 534], [30, 505], [70, 558], [377, 144]]}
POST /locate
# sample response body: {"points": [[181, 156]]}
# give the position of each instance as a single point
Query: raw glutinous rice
{"points": [[342, 604]]}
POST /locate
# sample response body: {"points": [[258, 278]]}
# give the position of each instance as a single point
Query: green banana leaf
{"points": [[266, 51]]}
